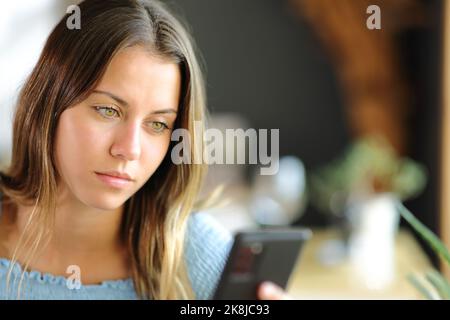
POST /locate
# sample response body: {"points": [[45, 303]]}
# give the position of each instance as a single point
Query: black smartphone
{"points": [[257, 256]]}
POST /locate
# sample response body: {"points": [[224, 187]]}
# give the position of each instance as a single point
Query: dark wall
{"points": [[265, 63], [422, 52]]}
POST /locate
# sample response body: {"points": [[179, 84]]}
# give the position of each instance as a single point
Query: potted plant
{"points": [[362, 188]]}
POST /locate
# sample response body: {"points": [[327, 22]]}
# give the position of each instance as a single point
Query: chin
{"points": [[105, 201]]}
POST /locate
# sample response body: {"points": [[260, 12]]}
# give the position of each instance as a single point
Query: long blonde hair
{"points": [[71, 64]]}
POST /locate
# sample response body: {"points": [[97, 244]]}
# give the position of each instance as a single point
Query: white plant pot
{"points": [[374, 224]]}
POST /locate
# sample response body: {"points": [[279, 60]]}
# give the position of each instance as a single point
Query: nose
{"points": [[127, 142]]}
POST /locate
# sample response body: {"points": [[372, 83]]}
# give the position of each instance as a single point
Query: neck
{"points": [[80, 231], [82, 236]]}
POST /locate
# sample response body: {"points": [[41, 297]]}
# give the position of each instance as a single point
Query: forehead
{"points": [[142, 79]]}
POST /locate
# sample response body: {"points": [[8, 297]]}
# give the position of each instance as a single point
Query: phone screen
{"points": [[257, 256]]}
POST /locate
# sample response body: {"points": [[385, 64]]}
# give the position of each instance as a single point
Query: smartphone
{"points": [[257, 256]]}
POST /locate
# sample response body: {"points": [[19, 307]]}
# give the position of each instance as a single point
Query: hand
{"points": [[270, 291]]}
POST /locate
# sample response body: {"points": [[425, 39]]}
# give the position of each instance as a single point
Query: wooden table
{"points": [[313, 279]]}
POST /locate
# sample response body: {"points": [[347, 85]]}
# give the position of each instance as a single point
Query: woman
{"points": [[92, 191]]}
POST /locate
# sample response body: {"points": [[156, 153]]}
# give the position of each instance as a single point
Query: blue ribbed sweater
{"points": [[206, 251]]}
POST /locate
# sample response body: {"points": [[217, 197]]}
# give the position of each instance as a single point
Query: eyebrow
{"points": [[126, 104]]}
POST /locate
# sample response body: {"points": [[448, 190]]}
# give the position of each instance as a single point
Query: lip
{"points": [[114, 179], [116, 174]]}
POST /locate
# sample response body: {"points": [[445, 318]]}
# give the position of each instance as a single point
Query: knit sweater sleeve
{"points": [[207, 247]]}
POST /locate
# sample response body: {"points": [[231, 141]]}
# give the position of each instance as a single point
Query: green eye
{"points": [[158, 126], [107, 112]]}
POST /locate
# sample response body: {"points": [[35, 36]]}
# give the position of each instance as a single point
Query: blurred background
{"points": [[361, 114]]}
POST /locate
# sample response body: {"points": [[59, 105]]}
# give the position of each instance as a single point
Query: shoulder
{"points": [[202, 224], [207, 246]]}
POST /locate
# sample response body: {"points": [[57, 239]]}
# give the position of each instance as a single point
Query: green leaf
{"points": [[427, 234], [420, 287], [440, 283]]}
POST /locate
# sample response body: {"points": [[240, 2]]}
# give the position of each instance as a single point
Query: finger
{"points": [[270, 291]]}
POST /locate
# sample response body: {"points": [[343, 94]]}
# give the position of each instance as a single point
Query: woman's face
{"points": [[124, 127]]}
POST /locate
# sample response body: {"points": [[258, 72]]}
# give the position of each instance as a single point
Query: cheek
{"points": [[153, 154], [76, 143]]}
